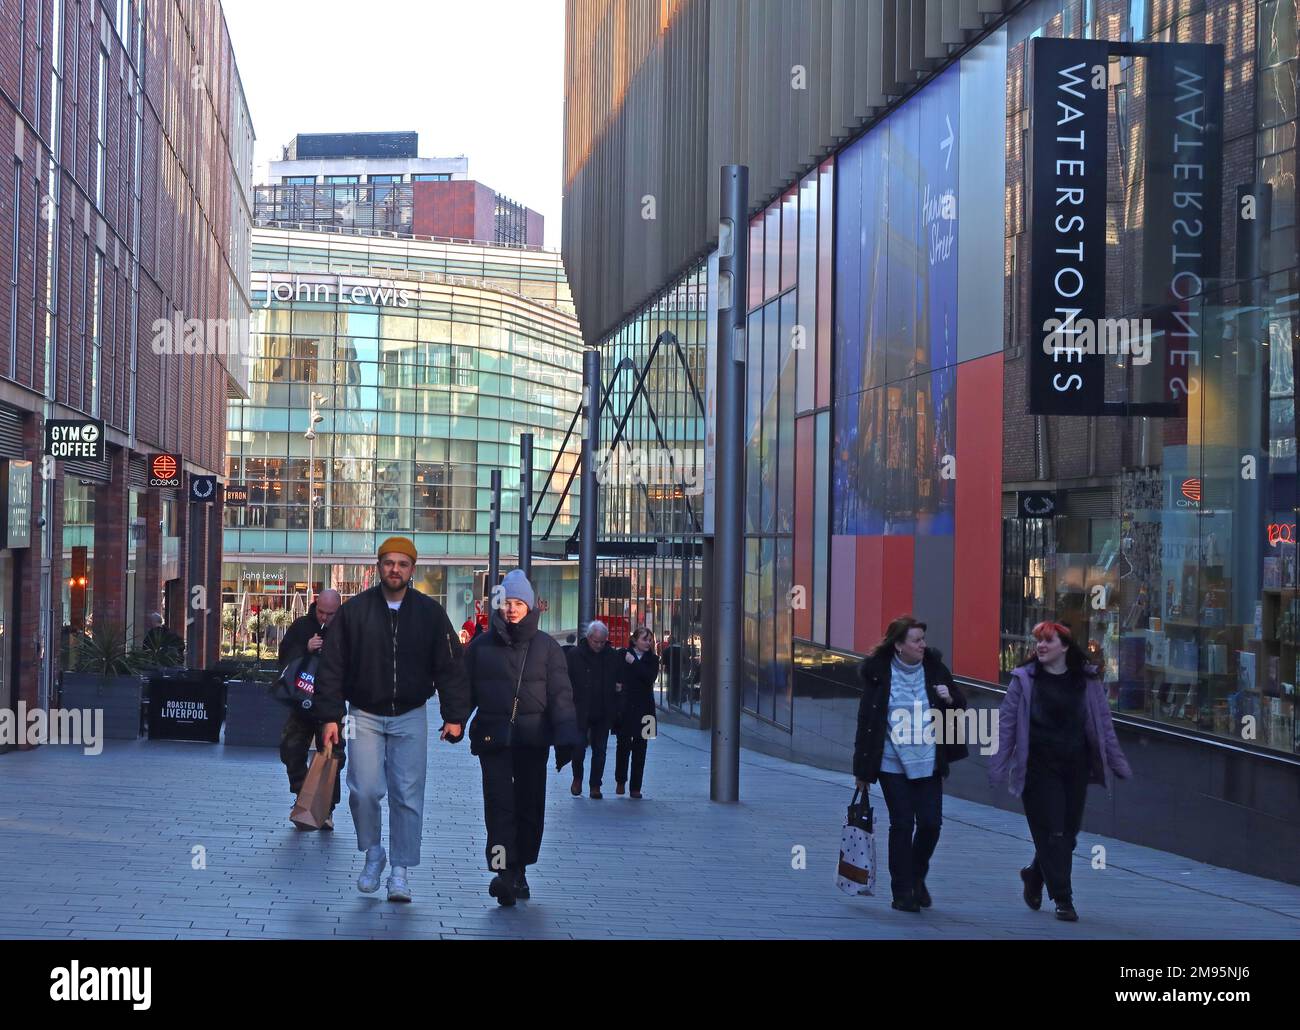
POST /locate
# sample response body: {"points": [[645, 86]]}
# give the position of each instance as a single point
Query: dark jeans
{"points": [[915, 815], [514, 805], [630, 748], [1053, 797], [598, 738], [295, 740]]}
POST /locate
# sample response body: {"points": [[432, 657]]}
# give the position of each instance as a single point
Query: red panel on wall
{"points": [[977, 541], [870, 591], [804, 464], [896, 594]]}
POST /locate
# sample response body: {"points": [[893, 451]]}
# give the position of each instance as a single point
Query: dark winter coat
{"points": [[296, 637], [594, 676], [876, 673], [519, 655], [386, 672], [638, 678]]}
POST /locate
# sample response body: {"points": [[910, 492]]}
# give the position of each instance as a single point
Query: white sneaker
{"points": [[397, 887], [376, 859]]}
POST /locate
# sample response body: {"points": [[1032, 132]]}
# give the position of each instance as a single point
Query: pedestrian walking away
{"points": [[635, 721], [906, 685], [390, 650], [593, 671], [1055, 736], [305, 638], [523, 705]]}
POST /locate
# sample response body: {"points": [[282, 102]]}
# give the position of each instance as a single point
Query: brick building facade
{"points": [[125, 164]]}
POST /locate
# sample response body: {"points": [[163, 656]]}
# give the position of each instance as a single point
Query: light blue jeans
{"points": [[389, 754]]}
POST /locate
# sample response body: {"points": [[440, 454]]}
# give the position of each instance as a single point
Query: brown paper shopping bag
{"points": [[313, 805]]}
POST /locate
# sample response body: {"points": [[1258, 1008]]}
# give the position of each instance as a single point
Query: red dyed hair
{"points": [[1044, 629]]}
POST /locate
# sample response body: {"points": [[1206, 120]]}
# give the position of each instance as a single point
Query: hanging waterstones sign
{"points": [[1182, 199], [81, 439], [1067, 216]]}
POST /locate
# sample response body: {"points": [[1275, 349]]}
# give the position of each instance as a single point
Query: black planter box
{"points": [[253, 717]]}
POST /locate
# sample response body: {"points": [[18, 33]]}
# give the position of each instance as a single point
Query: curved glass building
{"points": [[429, 359]]}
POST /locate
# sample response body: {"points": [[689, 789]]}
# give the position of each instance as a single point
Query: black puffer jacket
{"points": [[298, 635], [876, 673], [388, 672], [638, 678], [597, 694], [506, 656]]}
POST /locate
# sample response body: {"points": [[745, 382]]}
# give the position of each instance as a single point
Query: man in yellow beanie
{"points": [[391, 648]]}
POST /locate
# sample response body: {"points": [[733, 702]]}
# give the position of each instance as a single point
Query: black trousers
{"points": [[514, 805], [598, 740], [632, 748], [915, 815], [1053, 797], [295, 740]]}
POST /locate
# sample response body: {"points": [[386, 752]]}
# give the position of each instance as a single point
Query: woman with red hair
{"points": [[1055, 737]]}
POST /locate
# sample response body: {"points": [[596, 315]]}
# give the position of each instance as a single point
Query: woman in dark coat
{"points": [[897, 677], [638, 671], [523, 704], [1055, 736]]}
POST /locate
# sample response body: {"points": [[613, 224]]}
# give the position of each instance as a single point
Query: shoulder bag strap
{"points": [[514, 708]]}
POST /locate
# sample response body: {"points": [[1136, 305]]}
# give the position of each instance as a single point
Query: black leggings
{"points": [[1053, 797]]}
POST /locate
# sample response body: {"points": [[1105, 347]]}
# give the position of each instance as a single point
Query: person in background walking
{"points": [[306, 637], [389, 649], [903, 680], [635, 723], [594, 672], [523, 704], [1055, 736]]}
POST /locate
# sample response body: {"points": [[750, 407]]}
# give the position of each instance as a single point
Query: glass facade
{"points": [[424, 381], [652, 487], [1173, 550]]}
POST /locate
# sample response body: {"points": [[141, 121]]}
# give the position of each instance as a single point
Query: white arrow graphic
{"points": [[946, 144]]}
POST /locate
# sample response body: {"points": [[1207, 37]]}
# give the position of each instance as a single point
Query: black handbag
{"points": [[505, 737], [296, 687]]}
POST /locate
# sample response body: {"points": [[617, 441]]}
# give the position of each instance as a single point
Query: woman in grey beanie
{"points": [[523, 704]]}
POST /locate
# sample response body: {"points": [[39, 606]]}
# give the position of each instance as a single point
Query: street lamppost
{"points": [[314, 419]]}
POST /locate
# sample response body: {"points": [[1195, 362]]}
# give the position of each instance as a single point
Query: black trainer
{"points": [[1033, 888], [502, 888], [922, 895], [1065, 911], [521, 886]]}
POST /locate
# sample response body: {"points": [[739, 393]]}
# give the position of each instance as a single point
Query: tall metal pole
{"points": [[526, 503], [590, 491], [494, 539], [729, 489], [311, 512]]}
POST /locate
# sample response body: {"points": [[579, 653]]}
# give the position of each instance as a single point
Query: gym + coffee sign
{"points": [[1071, 336], [81, 439]]}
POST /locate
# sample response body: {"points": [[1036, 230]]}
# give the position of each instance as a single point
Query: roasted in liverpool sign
{"points": [[1073, 339]]}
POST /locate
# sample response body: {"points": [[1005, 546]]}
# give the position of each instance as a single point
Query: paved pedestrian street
{"points": [[177, 840]]}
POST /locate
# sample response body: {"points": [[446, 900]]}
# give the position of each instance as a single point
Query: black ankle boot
{"points": [[922, 895], [1033, 888], [1065, 911], [906, 903]]}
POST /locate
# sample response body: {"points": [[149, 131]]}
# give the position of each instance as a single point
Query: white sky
{"points": [[483, 78]]}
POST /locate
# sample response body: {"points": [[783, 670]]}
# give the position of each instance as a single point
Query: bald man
{"points": [[305, 638]]}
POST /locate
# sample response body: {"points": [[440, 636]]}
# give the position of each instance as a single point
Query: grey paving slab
{"points": [[174, 840]]}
